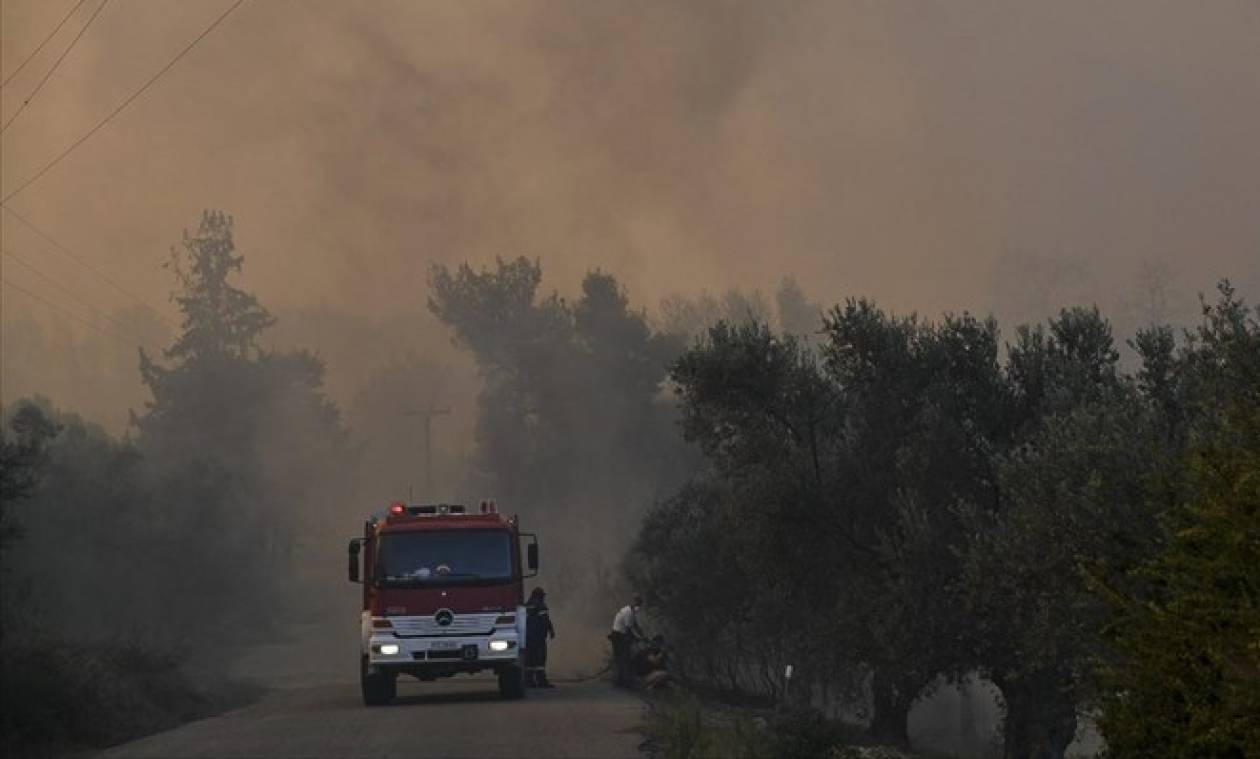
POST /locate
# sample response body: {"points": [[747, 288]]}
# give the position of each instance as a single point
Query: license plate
{"points": [[443, 645]]}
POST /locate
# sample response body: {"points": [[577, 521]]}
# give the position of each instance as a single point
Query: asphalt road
{"points": [[459, 717]]}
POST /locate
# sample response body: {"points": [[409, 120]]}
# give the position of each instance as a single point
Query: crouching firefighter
{"points": [[625, 630], [538, 629]]}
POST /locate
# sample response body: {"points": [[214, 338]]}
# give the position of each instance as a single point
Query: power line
{"points": [[124, 104], [79, 260], [35, 52], [66, 313], [55, 65], [57, 284]]}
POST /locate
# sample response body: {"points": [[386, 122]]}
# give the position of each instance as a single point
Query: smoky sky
{"points": [[902, 150]]}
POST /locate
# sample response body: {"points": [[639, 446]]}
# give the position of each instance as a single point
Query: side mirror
{"points": [[531, 554], [355, 546]]}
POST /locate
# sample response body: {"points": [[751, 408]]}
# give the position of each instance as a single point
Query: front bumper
{"points": [[444, 651], [422, 646]]}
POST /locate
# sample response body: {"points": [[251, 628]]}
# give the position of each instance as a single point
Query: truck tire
{"points": [[512, 682], [379, 688]]}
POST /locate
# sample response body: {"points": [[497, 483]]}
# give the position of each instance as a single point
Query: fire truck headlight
{"points": [[389, 649], [499, 645]]}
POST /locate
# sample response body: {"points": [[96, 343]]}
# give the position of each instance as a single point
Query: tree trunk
{"points": [[892, 708], [1040, 719]]}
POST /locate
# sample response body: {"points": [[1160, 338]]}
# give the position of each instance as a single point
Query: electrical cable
{"points": [[35, 52], [55, 66], [67, 313], [77, 259], [57, 284], [48, 166]]}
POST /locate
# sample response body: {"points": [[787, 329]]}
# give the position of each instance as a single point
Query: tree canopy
{"points": [[903, 502]]}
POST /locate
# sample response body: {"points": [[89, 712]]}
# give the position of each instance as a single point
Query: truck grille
{"points": [[461, 624]]}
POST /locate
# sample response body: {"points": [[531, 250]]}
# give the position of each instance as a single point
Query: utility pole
{"points": [[427, 415]]}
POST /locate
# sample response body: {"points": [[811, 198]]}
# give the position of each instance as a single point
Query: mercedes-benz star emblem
{"points": [[444, 617]]}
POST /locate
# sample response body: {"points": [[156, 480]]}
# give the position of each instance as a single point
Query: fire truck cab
{"points": [[443, 594]]}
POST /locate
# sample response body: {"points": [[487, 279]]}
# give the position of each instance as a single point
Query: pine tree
{"points": [[247, 451]]}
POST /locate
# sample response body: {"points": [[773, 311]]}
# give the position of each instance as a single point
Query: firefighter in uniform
{"points": [[538, 629]]}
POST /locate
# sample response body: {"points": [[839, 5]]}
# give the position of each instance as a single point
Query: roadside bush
{"points": [[805, 734], [684, 729], [57, 696]]}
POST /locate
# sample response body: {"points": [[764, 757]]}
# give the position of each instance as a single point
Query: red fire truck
{"points": [[442, 595]]}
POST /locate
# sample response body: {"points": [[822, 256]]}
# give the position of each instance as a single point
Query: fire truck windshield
{"points": [[444, 557]]}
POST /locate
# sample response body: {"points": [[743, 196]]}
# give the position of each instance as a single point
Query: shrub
{"points": [[684, 729], [56, 696]]}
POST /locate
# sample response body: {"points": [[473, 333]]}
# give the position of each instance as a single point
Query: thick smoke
{"points": [[889, 149]]}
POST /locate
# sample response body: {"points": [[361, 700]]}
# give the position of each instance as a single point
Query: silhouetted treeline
{"points": [[576, 425], [883, 502], [195, 518], [200, 528], [570, 415], [903, 501]]}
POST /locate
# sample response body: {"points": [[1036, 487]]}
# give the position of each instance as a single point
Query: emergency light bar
{"points": [[427, 510]]}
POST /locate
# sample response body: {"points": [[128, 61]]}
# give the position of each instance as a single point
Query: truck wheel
{"points": [[512, 682], [379, 688]]}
